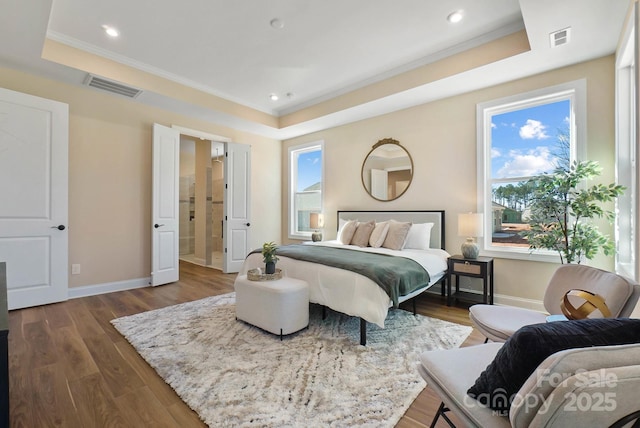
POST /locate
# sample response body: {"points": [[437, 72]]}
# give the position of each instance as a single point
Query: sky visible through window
{"points": [[309, 169], [525, 142]]}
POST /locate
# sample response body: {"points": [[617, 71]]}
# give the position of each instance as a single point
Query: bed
{"points": [[345, 289]]}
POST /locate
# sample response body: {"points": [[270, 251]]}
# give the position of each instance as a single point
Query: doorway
{"points": [[34, 140], [201, 201]]}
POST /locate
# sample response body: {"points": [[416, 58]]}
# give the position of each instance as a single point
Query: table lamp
{"points": [[316, 222], [470, 226]]}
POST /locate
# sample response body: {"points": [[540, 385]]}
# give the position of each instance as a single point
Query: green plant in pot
{"points": [[562, 208], [269, 257]]}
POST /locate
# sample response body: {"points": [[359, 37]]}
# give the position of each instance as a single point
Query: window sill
{"points": [[519, 254], [300, 237]]}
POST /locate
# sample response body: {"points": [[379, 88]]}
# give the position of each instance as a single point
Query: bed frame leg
{"points": [[324, 312], [363, 332], [414, 306]]}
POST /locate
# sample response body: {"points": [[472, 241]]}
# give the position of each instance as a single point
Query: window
{"points": [[519, 138], [305, 187], [626, 152]]}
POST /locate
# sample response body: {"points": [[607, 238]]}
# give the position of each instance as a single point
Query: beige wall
{"points": [[441, 137], [110, 169], [110, 178]]}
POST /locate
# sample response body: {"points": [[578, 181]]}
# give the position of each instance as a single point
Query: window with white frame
{"points": [[626, 152], [520, 138], [305, 187]]}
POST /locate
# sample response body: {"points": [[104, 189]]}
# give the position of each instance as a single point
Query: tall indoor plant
{"points": [[562, 208]]}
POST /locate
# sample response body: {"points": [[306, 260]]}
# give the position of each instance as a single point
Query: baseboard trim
{"points": [[108, 287], [505, 300]]}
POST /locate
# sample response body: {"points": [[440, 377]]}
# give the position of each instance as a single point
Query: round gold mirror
{"points": [[387, 170]]}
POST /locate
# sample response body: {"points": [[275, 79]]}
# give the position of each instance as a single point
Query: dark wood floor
{"points": [[70, 368]]}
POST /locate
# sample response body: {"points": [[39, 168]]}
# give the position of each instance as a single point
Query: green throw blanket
{"points": [[397, 276]]}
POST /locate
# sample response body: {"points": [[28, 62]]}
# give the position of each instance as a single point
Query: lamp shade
{"points": [[470, 225], [316, 220]]}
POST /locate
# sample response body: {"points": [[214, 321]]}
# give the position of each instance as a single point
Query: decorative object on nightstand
{"points": [[316, 222], [470, 226], [270, 258]]}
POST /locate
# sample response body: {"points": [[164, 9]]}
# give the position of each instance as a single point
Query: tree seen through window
{"points": [[525, 143]]}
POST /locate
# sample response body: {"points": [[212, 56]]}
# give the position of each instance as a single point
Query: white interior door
{"points": [[237, 204], [379, 184], [34, 139], [165, 238]]}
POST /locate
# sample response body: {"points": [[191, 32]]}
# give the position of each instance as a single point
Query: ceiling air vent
{"points": [[111, 86], [560, 37]]}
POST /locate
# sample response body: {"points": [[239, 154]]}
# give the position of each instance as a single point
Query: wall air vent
{"points": [[560, 37], [111, 86]]}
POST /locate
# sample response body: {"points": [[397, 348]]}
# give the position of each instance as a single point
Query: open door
{"points": [[237, 212], [34, 140], [379, 184], [165, 238]]}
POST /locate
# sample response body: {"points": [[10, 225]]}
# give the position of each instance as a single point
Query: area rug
{"points": [[236, 375]]}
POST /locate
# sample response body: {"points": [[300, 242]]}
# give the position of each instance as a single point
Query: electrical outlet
{"points": [[75, 269]]}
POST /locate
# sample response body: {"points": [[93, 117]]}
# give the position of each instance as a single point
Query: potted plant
{"points": [[269, 257], [562, 207]]}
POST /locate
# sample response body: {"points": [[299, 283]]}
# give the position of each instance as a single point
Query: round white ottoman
{"points": [[278, 306]]}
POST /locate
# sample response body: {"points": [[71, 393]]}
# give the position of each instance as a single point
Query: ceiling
{"points": [[326, 63]]}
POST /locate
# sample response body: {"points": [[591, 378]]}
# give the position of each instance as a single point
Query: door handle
{"points": [[158, 225], [247, 224], [61, 227]]}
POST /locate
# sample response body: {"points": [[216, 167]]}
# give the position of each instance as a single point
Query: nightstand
{"points": [[482, 268]]}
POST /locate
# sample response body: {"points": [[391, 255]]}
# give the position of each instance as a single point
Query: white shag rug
{"points": [[236, 375]]}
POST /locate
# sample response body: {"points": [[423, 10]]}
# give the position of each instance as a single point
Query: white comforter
{"points": [[349, 292]]}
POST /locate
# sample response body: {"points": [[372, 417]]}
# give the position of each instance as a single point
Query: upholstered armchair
{"points": [[620, 294], [564, 374]]}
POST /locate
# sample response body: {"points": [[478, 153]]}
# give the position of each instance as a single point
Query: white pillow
{"points": [[419, 236], [341, 223]]}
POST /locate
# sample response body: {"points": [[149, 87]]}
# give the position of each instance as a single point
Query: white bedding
{"points": [[349, 292]]}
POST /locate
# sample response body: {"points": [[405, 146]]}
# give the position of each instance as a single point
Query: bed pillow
{"points": [[348, 231], [362, 234], [529, 346], [419, 236], [341, 223], [397, 235], [379, 234]]}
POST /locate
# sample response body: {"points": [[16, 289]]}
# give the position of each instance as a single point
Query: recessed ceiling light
{"points": [[455, 16], [273, 97], [277, 23], [111, 32]]}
